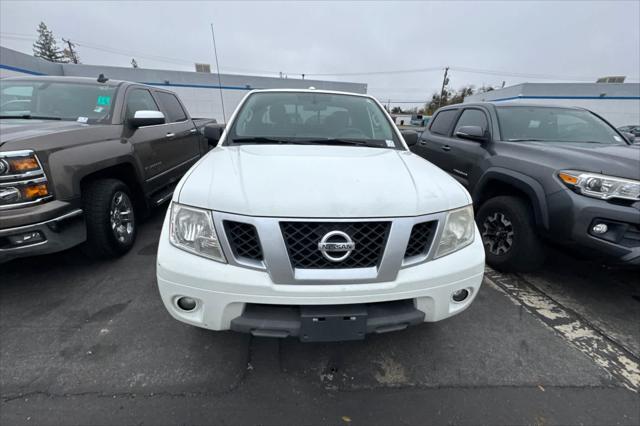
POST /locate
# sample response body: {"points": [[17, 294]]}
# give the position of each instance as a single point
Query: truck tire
{"points": [[109, 217], [508, 233]]}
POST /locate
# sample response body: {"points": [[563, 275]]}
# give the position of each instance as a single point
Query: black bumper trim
{"points": [[573, 215], [60, 233], [287, 321]]}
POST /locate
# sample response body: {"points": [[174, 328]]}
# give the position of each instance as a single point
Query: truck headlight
{"points": [[458, 232], [601, 186], [22, 179], [192, 230]]}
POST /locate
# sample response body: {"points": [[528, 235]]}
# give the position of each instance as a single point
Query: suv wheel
{"points": [[110, 218], [508, 234]]}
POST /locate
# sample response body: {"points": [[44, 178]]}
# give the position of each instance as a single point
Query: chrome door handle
{"points": [[192, 131], [446, 148], [170, 135]]}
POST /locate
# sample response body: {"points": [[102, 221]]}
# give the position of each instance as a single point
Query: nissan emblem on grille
{"points": [[336, 242]]}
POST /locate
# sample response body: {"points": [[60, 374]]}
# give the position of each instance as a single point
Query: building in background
{"points": [[619, 103], [200, 91]]}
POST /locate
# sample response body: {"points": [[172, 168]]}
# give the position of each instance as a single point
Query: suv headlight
{"points": [[601, 186], [192, 230], [459, 231], [22, 179]]}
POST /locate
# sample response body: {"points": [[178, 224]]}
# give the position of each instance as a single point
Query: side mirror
{"points": [[474, 133], [630, 136], [410, 137], [213, 132], [146, 118]]}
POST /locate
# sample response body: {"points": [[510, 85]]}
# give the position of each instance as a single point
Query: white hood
{"points": [[319, 181]]}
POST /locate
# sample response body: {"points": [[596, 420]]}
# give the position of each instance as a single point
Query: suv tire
{"points": [[109, 217], [508, 234]]}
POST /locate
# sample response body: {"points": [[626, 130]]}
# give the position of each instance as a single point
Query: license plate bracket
{"points": [[333, 323]]}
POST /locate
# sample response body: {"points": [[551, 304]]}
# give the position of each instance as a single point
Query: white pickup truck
{"points": [[311, 218]]}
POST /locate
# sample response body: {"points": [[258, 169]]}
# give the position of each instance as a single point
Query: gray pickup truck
{"points": [[82, 160]]}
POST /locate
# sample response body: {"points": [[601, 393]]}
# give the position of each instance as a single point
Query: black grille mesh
{"points": [[420, 239], [631, 237], [302, 238], [243, 239]]}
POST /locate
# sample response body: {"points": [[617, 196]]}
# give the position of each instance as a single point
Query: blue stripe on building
{"points": [[22, 70]]}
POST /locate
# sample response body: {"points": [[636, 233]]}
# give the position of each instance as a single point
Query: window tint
{"points": [[519, 124], [171, 104], [442, 123], [140, 100], [472, 117], [66, 101]]}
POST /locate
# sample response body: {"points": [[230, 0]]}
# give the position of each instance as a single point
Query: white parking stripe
{"points": [[615, 359]]}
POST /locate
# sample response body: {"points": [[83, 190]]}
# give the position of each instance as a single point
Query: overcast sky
{"points": [[569, 41]]}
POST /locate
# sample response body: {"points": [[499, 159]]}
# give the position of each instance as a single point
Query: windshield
{"points": [[289, 117], [87, 103], [554, 125]]}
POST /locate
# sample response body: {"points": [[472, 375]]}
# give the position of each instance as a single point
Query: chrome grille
{"points": [[302, 238]]}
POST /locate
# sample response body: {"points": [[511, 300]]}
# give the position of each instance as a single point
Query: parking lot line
{"points": [[611, 356]]}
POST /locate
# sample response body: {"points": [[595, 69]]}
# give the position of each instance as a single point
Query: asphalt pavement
{"points": [[89, 342]]}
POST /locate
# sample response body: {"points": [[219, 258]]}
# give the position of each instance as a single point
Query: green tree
{"points": [[396, 110], [45, 47]]}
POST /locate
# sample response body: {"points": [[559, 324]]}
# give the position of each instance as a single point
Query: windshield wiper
{"points": [[343, 141], [260, 139], [600, 142], [31, 117], [527, 140]]}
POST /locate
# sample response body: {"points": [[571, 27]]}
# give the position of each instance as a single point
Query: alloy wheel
{"points": [[121, 218], [497, 233]]}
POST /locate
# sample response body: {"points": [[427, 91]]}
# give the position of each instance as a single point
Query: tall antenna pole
{"points": [[215, 53]]}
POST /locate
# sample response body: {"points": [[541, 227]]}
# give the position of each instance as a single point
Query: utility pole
{"points": [[445, 81], [72, 53]]}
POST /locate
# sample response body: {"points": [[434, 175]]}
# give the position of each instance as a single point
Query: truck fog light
{"points": [[186, 303], [460, 295], [26, 239], [600, 228]]}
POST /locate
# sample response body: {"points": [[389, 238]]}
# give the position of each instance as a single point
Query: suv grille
{"points": [[302, 238], [420, 239], [243, 239]]}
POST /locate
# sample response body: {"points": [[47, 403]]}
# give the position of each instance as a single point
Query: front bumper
{"points": [[54, 234], [223, 291], [574, 215]]}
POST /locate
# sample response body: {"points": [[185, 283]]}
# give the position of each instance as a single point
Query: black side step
{"points": [[163, 195]]}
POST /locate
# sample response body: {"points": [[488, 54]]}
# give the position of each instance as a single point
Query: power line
{"points": [[129, 53], [407, 71], [181, 61], [519, 74]]}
